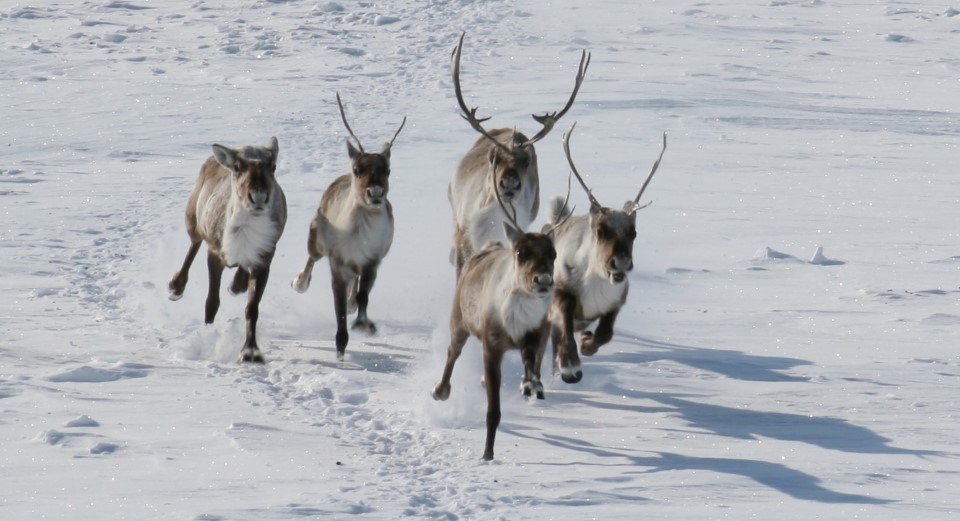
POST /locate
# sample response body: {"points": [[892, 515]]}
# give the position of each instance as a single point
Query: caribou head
{"points": [[253, 170], [534, 254], [613, 230], [371, 171]]}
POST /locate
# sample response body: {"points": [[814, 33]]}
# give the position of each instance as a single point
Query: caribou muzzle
{"points": [[376, 196], [259, 202], [618, 267], [543, 284], [509, 187]]}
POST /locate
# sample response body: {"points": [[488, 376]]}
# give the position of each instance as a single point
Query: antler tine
{"points": [[653, 170], [496, 191], [469, 114], [569, 214], [566, 149], [344, 118], [397, 133], [550, 119]]}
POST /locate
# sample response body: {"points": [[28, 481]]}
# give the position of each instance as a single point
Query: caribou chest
{"points": [[247, 238], [598, 295], [363, 235]]}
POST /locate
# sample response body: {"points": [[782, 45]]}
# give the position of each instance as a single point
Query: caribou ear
{"points": [[492, 155], [225, 156], [352, 151], [386, 151], [274, 147], [512, 233]]}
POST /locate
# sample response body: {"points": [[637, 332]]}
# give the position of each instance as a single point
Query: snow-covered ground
{"points": [[751, 376]]}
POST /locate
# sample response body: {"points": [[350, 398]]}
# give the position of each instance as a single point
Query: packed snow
{"points": [[788, 349]]}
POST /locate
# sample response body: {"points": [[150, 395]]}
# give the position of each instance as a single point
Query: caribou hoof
{"points": [[175, 288], [440, 393], [528, 389], [364, 325], [572, 377], [588, 346], [251, 354], [241, 281], [301, 283]]}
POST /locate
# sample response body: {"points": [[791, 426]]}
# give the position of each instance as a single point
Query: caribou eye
{"points": [[632, 234]]}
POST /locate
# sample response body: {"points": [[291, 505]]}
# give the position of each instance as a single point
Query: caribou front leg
{"points": [[566, 356], [257, 283], [492, 358], [591, 342], [339, 283], [531, 351], [215, 269], [302, 282], [367, 277], [458, 337], [179, 280]]}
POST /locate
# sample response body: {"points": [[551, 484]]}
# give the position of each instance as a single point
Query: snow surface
{"points": [[744, 382]]}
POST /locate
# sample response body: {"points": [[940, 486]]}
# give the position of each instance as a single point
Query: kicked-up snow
{"points": [[789, 345]]}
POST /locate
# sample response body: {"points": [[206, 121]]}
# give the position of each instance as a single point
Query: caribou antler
{"points": [[566, 149], [397, 133], [470, 114], [632, 208], [564, 205], [344, 118], [550, 119]]}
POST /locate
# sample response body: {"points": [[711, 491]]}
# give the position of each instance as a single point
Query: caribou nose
{"points": [[258, 199], [375, 194], [621, 263], [510, 183], [544, 282]]}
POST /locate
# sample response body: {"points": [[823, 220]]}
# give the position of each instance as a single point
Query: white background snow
{"points": [[744, 382]]}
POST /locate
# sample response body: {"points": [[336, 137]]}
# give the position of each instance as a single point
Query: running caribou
{"points": [[239, 210], [506, 156], [354, 228], [502, 297], [595, 252]]}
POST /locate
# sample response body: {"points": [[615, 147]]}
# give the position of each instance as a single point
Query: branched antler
{"points": [[636, 202], [550, 119]]}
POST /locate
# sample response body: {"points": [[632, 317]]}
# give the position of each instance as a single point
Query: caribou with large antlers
{"points": [[239, 210], [502, 298], [354, 228], [506, 156], [594, 254]]}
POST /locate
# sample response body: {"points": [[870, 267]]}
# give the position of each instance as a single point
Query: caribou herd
{"points": [[515, 289]]}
